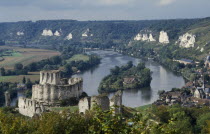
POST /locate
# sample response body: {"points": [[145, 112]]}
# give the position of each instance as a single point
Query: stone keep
{"points": [[52, 88]]}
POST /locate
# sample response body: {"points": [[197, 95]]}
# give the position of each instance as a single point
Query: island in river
{"points": [[126, 77]]}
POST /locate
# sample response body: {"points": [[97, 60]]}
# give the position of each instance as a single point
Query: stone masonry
{"points": [[50, 92]]}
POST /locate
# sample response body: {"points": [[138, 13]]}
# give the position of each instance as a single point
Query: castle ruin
{"points": [[102, 101], [50, 91]]}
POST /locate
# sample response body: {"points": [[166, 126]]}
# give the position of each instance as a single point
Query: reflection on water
{"points": [[162, 79]]}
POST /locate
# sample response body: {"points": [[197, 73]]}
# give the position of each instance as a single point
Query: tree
{"points": [[18, 66], [24, 80], [2, 72], [29, 83]]}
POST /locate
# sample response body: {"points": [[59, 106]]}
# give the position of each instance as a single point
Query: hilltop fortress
{"points": [[50, 92]]}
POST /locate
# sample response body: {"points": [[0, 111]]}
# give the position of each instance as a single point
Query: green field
{"points": [[18, 78], [71, 108], [78, 57]]}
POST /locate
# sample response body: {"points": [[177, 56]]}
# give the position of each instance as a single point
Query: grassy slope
{"points": [[79, 57]]}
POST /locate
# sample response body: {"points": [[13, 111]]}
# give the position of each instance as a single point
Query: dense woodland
{"points": [[152, 120], [140, 76]]}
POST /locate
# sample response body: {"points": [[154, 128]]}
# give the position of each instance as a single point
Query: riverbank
{"points": [[162, 79]]}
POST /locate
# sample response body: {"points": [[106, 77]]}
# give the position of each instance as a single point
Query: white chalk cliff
{"points": [[163, 38], [57, 33], [144, 37], [151, 38], [69, 36], [138, 37], [87, 33], [187, 40], [47, 32], [20, 33]]}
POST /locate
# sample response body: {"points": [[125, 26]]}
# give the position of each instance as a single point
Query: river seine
{"points": [[162, 79]]}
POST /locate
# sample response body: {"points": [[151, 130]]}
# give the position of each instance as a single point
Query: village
{"points": [[195, 93]]}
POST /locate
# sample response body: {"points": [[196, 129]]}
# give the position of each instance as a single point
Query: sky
{"points": [[25, 10]]}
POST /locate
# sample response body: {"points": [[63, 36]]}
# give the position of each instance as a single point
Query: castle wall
{"points": [[84, 104], [50, 77], [116, 102], [29, 107], [101, 101], [51, 93]]}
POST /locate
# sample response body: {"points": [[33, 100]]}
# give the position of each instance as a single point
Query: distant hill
{"points": [[104, 34]]}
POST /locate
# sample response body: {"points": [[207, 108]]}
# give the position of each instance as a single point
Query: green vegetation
{"points": [[71, 108], [79, 57], [152, 120], [126, 77]]}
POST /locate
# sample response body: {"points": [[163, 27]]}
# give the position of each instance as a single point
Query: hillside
{"points": [[186, 33]]}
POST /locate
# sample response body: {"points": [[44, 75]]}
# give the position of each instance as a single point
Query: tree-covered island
{"points": [[126, 77]]}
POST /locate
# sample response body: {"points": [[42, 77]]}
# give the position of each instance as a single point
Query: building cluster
{"points": [[194, 93]]}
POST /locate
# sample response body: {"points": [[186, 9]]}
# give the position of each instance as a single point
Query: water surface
{"points": [[162, 79]]}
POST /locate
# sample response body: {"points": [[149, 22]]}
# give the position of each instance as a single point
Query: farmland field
{"points": [[25, 56], [18, 78]]}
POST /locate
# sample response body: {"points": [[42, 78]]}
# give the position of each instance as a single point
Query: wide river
{"points": [[162, 79]]}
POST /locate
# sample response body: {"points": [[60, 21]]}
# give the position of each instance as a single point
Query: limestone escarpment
{"points": [[163, 38], [87, 33], [187, 40], [144, 37], [57, 33], [46, 32], [69, 36], [20, 33]]}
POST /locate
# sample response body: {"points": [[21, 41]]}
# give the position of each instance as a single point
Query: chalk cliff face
{"points": [[151, 38], [87, 33], [187, 40], [138, 37], [47, 32], [144, 37], [57, 33], [69, 36], [20, 33], [163, 38]]}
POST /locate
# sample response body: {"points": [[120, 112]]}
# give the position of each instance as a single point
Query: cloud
{"points": [[166, 2]]}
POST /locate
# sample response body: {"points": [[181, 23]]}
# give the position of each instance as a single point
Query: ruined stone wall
{"points": [[101, 101], [50, 77], [52, 93], [84, 104], [29, 107], [116, 102]]}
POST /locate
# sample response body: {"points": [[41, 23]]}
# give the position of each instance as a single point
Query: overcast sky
{"points": [[19, 10]]}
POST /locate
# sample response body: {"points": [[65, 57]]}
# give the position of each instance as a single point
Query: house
{"points": [[129, 80], [185, 61]]}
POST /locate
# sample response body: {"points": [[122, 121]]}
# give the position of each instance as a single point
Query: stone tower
{"points": [[7, 99]]}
